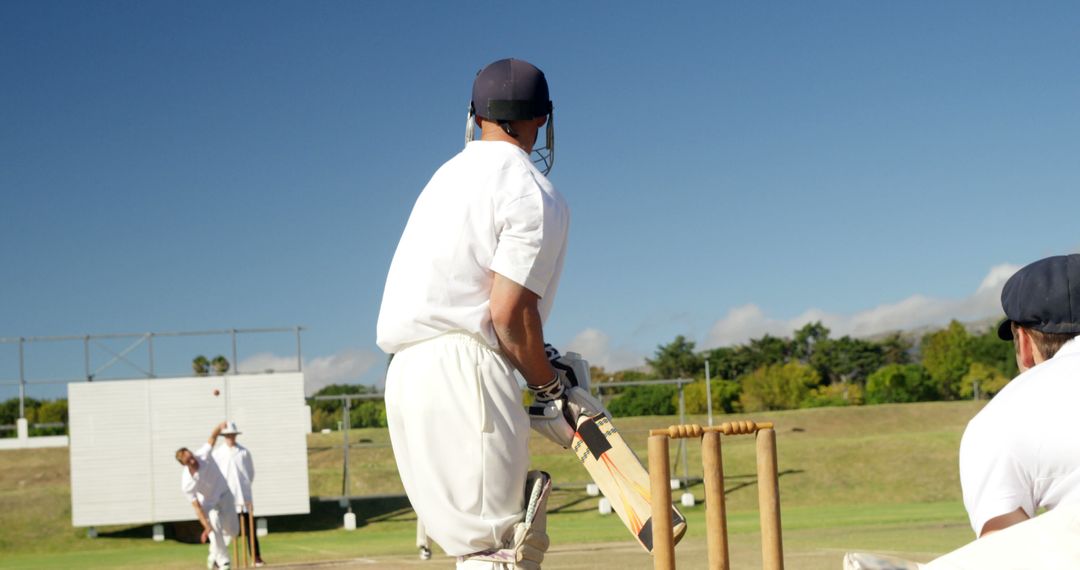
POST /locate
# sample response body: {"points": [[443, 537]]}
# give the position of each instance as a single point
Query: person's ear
{"points": [[1025, 349]]}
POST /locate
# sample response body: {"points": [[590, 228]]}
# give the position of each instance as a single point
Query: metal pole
{"points": [[345, 430], [86, 357], [682, 442], [299, 360], [234, 362], [150, 348], [22, 381], [708, 390]]}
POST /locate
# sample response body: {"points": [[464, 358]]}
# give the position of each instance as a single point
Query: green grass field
{"points": [[876, 478]]}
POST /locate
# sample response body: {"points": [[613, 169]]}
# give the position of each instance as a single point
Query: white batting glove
{"points": [[576, 381], [559, 404]]}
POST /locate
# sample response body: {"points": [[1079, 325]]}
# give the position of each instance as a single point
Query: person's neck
{"points": [[493, 132]]}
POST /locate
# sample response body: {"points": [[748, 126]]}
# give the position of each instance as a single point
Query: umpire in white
{"points": [[469, 288], [239, 470]]}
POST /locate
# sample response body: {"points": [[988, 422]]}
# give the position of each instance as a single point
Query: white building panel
{"points": [[110, 448], [130, 431]]}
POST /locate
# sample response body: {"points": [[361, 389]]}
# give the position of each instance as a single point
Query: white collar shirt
{"points": [[239, 470], [207, 485], [486, 210]]}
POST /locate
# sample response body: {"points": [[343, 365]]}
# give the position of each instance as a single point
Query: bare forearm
{"points": [[516, 319], [522, 341], [214, 434], [200, 514]]}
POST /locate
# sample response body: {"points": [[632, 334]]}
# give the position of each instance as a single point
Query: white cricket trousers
{"points": [[224, 526], [460, 436]]}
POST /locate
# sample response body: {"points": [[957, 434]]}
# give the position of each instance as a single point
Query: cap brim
{"points": [[1005, 330]]}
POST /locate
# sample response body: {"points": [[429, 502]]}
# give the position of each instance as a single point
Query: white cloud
{"points": [[344, 367], [749, 321], [595, 346]]}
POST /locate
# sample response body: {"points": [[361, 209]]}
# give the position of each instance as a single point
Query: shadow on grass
{"points": [[733, 483], [324, 515]]}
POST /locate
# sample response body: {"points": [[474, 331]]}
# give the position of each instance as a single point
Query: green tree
{"points": [[220, 364], [849, 394], [847, 360], [900, 383], [778, 386], [769, 350], [807, 340], [657, 400], [729, 362], [989, 379], [895, 349], [725, 396], [677, 360], [322, 419], [946, 356], [988, 349], [200, 365], [368, 414]]}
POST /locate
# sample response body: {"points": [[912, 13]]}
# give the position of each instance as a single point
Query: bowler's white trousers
{"points": [[460, 436], [224, 526]]}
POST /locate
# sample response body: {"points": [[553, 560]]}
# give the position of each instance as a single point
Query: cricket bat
{"points": [[620, 476]]}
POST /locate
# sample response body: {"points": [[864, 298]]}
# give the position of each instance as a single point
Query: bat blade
{"points": [[621, 477]]}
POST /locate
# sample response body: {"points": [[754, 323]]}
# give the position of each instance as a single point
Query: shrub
{"points": [[846, 394], [778, 386], [725, 397], [645, 401], [990, 380], [900, 383]]}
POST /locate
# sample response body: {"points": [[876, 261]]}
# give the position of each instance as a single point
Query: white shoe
{"points": [[425, 553]]}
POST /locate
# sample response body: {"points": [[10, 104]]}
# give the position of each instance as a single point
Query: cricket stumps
{"points": [[772, 549]]}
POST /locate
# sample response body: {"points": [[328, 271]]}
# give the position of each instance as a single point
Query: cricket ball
{"points": [[217, 392]]}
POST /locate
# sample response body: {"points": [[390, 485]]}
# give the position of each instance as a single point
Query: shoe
{"points": [[425, 553], [259, 563]]}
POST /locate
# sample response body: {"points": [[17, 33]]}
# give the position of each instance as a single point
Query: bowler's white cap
{"points": [[230, 429]]}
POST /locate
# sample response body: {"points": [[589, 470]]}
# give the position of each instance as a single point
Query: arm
{"points": [[516, 318], [202, 520], [1002, 522], [214, 434]]}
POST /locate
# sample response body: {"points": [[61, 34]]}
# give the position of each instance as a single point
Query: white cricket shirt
{"points": [[486, 210], [207, 484], [1023, 449], [235, 463]]}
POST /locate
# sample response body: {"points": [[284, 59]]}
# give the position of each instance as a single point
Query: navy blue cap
{"points": [[1044, 296], [510, 90]]}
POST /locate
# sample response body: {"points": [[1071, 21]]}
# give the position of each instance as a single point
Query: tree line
{"points": [[812, 369]]}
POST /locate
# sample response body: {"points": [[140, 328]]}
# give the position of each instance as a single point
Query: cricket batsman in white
{"points": [[470, 285]]}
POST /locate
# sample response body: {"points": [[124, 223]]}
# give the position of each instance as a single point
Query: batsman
{"points": [[469, 288]]}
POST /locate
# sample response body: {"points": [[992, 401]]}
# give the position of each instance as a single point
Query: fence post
{"points": [[235, 364], [22, 381], [708, 390], [299, 360]]}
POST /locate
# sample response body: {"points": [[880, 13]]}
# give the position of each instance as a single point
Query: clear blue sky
{"points": [[201, 165]]}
